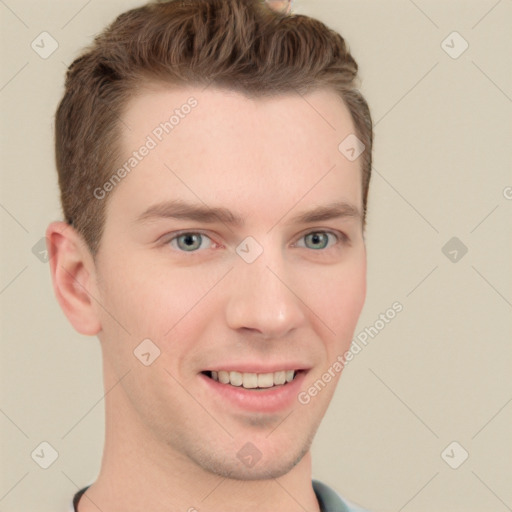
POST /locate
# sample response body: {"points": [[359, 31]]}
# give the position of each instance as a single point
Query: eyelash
{"points": [[341, 239]]}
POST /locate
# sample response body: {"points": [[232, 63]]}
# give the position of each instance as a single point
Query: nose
{"points": [[263, 299]]}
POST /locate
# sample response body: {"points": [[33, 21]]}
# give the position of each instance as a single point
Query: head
{"points": [[237, 112]]}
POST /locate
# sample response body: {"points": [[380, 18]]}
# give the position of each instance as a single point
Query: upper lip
{"points": [[256, 368]]}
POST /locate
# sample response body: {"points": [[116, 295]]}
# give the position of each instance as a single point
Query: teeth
{"points": [[254, 380], [224, 377], [235, 378], [250, 380], [279, 378], [265, 380]]}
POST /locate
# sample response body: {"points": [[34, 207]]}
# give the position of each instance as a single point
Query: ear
{"points": [[73, 276]]}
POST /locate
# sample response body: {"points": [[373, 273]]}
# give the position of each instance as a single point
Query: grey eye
{"points": [[188, 242], [317, 240]]}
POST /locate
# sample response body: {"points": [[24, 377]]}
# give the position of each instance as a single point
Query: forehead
{"points": [[217, 112], [218, 145]]}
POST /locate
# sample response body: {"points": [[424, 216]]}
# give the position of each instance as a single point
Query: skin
{"points": [[171, 444]]}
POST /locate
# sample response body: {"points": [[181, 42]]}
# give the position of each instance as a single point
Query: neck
{"points": [[140, 473]]}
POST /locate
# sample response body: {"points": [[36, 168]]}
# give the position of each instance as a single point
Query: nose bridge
{"points": [[261, 299]]}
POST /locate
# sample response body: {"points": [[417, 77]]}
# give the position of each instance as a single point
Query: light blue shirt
{"points": [[330, 501]]}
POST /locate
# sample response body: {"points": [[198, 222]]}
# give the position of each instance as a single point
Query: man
{"points": [[214, 159]]}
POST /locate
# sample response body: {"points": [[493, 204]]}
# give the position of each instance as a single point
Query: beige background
{"points": [[439, 372]]}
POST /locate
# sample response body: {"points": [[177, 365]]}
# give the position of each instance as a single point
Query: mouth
{"points": [[254, 381], [254, 388]]}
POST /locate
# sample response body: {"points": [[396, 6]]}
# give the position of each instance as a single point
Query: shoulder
{"points": [[331, 501]]}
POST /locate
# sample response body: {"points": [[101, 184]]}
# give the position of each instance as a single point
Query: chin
{"points": [[264, 467], [262, 470]]}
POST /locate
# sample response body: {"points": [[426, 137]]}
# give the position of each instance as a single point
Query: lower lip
{"points": [[269, 400]]}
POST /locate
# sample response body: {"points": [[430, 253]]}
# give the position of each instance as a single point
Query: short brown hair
{"points": [[239, 44]]}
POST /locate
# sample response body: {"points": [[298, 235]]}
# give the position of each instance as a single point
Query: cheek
{"points": [[153, 301], [337, 301]]}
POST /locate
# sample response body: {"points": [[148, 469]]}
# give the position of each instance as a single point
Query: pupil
{"points": [[189, 240], [316, 238]]}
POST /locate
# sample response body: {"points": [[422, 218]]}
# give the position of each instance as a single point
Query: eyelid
{"points": [[175, 234], [169, 237]]}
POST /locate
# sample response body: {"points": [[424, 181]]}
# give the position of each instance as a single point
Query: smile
{"points": [[253, 380], [252, 391]]}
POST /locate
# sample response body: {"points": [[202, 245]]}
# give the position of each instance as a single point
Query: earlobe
{"points": [[72, 272]]}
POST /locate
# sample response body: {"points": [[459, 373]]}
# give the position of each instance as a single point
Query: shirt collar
{"points": [[328, 500]]}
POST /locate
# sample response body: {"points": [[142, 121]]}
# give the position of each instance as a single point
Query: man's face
{"points": [[267, 295]]}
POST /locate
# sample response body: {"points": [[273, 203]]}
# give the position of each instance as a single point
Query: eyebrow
{"points": [[178, 209]]}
